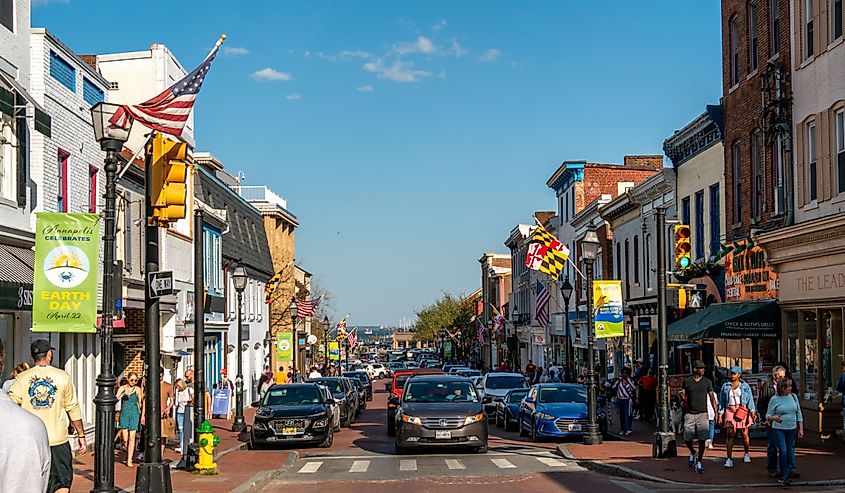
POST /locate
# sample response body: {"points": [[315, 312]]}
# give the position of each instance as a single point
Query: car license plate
{"points": [[443, 435], [289, 431], [575, 427]]}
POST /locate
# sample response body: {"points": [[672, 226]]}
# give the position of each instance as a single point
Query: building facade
{"points": [[495, 288]]}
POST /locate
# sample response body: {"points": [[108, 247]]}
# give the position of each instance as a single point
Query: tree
{"points": [[451, 312]]}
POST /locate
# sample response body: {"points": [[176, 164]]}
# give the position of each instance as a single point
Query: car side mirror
{"points": [[255, 404], [331, 401], [529, 400]]}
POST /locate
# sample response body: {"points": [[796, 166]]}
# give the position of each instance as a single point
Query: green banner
{"points": [[334, 350], [447, 349], [67, 273], [284, 346], [607, 309]]}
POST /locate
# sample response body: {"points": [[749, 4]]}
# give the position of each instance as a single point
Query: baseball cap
{"points": [[40, 346], [736, 369], [224, 372], [698, 364]]}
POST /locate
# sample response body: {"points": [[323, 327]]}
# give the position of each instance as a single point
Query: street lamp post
{"points": [[515, 322], [441, 336], [566, 290], [293, 312], [239, 279], [664, 441], [111, 138], [326, 341], [589, 252]]}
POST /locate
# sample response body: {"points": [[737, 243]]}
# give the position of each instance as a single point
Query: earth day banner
{"points": [[607, 309], [284, 345], [334, 350], [67, 268]]}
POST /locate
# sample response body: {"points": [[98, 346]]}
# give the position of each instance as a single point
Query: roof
{"points": [[246, 240], [544, 216], [700, 134]]}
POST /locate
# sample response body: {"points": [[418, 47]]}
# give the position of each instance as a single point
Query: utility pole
{"points": [[199, 324], [664, 441]]}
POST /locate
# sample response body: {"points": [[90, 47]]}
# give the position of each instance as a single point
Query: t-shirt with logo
{"points": [[48, 393]]}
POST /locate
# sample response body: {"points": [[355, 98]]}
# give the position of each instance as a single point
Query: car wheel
{"points": [[328, 441], [400, 450], [336, 427], [252, 444], [533, 430], [521, 425], [391, 428], [498, 422], [482, 449], [508, 426]]}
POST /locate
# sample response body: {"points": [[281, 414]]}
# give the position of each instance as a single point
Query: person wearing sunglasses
{"points": [[130, 396]]}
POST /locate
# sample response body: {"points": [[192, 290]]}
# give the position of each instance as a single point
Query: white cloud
{"points": [[270, 74], [421, 45], [458, 50], [399, 71], [366, 88], [293, 97], [441, 25], [490, 55], [345, 55], [235, 51]]}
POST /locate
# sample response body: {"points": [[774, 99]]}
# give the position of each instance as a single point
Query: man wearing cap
{"points": [[48, 393], [696, 391]]}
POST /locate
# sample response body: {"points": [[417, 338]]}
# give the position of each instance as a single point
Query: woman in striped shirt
{"points": [[626, 394]]}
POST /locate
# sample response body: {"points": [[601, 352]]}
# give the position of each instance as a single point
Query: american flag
{"points": [[542, 312], [168, 112], [307, 308], [352, 338], [480, 329]]}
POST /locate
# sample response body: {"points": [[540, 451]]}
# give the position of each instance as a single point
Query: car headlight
{"points": [[411, 419], [545, 416], [474, 419], [320, 423], [259, 426], [261, 413]]}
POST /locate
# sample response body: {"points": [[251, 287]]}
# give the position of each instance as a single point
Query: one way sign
{"points": [[161, 283]]}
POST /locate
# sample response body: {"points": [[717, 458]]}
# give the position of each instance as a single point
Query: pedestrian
{"points": [[280, 376], [168, 424], [264, 384], [314, 373], [697, 389], [20, 368], [785, 416], [626, 393], [711, 420], [530, 370], [647, 395], [736, 403], [766, 391], [48, 393], [184, 395], [131, 398], [24, 446], [840, 387]]}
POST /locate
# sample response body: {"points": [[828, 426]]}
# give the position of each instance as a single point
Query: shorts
{"points": [[696, 426], [61, 467]]}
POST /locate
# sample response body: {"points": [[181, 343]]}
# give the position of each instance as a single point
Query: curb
{"points": [[234, 448], [260, 480]]}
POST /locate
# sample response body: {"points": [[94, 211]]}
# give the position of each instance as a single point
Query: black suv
{"points": [[364, 377], [292, 413], [345, 395]]}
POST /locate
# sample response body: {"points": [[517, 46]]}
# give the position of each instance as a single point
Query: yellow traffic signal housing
{"points": [[169, 176], [683, 248]]}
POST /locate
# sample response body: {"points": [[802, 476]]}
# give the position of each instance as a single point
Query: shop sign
{"points": [[644, 323], [538, 336], [748, 277], [607, 309], [15, 296], [813, 284]]}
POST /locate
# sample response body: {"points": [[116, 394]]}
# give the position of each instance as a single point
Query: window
{"points": [[715, 216], [62, 71], [636, 259], [7, 15], [840, 149], [737, 183], [757, 169], [808, 26], [213, 275], [685, 210], [699, 224], [774, 27], [837, 19], [92, 189], [62, 198], [734, 52], [753, 42], [566, 216], [91, 93], [618, 260], [812, 192], [7, 163], [114, 86], [627, 268], [777, 155], [647, 273]]}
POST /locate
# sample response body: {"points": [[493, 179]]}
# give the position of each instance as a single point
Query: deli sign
{"points": [[748, 277]]}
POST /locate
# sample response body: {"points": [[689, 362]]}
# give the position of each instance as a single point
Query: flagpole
{"points": [[216, 46]]}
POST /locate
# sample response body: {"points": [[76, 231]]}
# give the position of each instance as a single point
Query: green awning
{"points": [[729, 321]]}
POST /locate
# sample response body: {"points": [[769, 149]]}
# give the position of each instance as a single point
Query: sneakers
{"points": [[773, 474], [691, 461], [178, 450], [784, 481], [729, 463], [746, 458], [628, 432], [708, 443], [699, 468]]}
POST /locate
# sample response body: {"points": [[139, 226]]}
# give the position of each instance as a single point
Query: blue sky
{"points": [[410, 137]]}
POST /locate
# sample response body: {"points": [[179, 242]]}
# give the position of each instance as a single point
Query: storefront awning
{"points": [[747, 319], [8, 104]]}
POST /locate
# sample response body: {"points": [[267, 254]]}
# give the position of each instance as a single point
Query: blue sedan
{"points": [[556, 410], [507, 408]]}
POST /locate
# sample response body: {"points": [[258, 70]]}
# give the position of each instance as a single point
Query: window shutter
{"points": [[824, 159], [21, 134], [801, 165]]}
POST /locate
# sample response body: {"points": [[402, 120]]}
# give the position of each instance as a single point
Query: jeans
{"points": [[179, 418], [772, 453], [785, 443], [712, 430], [625, 421]]}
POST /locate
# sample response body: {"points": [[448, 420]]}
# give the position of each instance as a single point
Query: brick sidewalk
{"points": [[815, 462], [237, 466]]}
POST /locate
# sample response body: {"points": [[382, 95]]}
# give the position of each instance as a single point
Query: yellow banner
{"points": [[607, 309]]}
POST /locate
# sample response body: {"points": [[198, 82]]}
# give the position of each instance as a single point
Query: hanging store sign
{"points": [[66, 272], [748, 277], [607, 309]]}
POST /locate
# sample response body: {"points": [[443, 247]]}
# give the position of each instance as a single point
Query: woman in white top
{"points": [[184, 395]]}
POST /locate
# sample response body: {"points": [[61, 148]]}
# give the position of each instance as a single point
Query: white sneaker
{"points": [[708, 443], [178, 450], [746, 458], [729, 463]]}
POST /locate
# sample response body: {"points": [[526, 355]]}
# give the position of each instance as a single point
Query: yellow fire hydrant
{"points": [[208, 440]]}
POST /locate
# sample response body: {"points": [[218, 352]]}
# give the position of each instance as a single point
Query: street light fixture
{"points": [[111, 137], [441, 336], [293, 312], [239, 279], [589, 251], [566, 290]]}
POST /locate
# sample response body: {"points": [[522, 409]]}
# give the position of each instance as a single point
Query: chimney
{"points": [[654, 161], [90, 60]]}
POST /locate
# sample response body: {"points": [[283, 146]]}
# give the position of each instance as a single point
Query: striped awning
{"points": [[16, 264]]}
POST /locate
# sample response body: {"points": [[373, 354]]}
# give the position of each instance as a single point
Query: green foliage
{"points": [[701, 269], [451, 312]]}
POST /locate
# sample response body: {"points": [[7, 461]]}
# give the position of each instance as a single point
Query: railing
{"points": [[262, 194]]}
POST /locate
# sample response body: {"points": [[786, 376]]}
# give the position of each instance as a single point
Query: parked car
{"points": [[344, 394], [448, 368], [293, 413], [333, 405], [395, 389], [498, 384], [377, 370], [507, 408], [361, 390], [439, 411], [364, 378], [556, 410], [466, 372], [476, 380]]}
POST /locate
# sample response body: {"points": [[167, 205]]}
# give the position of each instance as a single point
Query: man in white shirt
{"points": [[314, 373], [24, 447]]}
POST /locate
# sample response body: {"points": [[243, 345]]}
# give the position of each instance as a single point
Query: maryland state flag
{"points": [[271, 286], [546, 253]]}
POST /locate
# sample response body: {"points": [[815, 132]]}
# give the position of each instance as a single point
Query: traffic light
{"points": [[683, 248], [169, 174]]}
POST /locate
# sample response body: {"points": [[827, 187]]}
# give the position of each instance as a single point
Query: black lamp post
{"points": [[111, 138], [326, 341], [441, 336], [566, 290], [293, 312], [239, 279], [589, 252], [515, 321]]}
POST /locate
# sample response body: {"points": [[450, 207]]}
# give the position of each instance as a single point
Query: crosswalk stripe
{"points": [[408, 465], [360, 466], [503, 463], [310, 467], [454, 464], [549, 461]]}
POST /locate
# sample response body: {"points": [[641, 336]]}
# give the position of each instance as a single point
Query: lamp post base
{"points": [[592, 437], [239, 425], [153, 478], [664, 446]]}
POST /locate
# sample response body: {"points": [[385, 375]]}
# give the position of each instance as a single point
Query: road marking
{"points": [[408, 465], [310, 467], [631, 486], [454, 464], [360, 466], [551, 462], [503, 463]]}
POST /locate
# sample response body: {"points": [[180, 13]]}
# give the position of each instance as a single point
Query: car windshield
{"points": [[509, 382], [335, 386], [439, 392], [564, 394], [469, 373], [361, 376], [517, 395], [293, 396], [357, 383], [400, 381]]}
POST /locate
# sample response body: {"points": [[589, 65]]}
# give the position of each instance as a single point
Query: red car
{"points": [[399, 379]]}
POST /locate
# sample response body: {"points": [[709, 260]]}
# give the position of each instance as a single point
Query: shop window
{"points": [[810, 356], [792, 349], [774, 26], [832, 353]]}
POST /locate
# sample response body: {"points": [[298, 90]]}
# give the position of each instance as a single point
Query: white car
{"points": [[376, 370]]}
